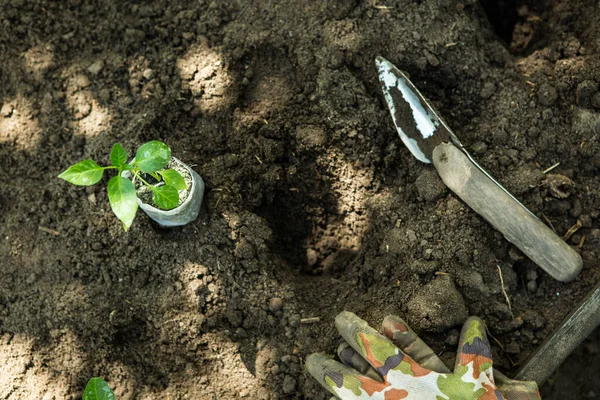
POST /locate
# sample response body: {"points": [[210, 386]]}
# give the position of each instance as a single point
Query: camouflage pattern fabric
{"points": [[399, 365]]}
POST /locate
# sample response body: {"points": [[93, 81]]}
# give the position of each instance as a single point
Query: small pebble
{"points": [[513, 348], [31, 278], [104, 95], [452, 338], [488, 90], [585, 92], [96, 67], [6, 110], [275, 304], [294, 320], [430, 185], [311, 257], [547, 95], [96, 246], [82, 81], [479, 147], [240, 333], [148, 74], [534, 319], [289, 384]]}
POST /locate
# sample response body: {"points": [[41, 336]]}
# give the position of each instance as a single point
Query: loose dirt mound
{"points": [[313, 204]]}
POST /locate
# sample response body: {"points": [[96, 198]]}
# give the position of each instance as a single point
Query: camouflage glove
{"points": [[375, 368]]}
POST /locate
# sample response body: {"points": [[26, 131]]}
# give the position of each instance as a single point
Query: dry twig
{"points": [[504, 291], [551, 168], [572, 230], [48, 230], [549, 222], [310, 320]]}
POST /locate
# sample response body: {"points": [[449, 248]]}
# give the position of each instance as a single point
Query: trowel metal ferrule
{"points": [[430, 140]]}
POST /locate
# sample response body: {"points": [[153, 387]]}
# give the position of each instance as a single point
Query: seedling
{"points": [[98, 389], [150, 162]]}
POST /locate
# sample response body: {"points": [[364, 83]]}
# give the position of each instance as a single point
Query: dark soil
{"points": [[313, 204], [577, 378]]}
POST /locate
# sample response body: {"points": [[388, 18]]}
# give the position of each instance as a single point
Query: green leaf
{"points": [[173, 178], [98, 389], [118, 155], [123, 200], [84, 173], [152, 156], [166, 197]]}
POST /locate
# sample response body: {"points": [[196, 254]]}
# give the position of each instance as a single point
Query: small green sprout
{"points": [[98, 389], [151, 159]]}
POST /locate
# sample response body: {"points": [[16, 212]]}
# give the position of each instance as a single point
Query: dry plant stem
{"points": [[504, 291], [48, 230], [310, 320], [549, 222], [551, 168], [572, 230]]}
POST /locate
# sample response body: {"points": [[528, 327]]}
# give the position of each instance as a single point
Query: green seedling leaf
{"points": [[166, 197], [173, 178], [98, 389], [152, 156], [84, 173], [118, 155], [123, 200]]}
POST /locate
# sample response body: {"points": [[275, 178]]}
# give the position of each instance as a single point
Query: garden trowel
{"points": [[430, 140]]}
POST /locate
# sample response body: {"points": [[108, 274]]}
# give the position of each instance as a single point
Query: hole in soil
{"points": [[317, 218], [292, 216], [291, 226], [518, 23], [503, 16], [133, 332], [309, 232]]}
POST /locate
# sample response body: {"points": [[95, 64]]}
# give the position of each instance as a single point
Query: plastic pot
{"points": [[186, 212]]}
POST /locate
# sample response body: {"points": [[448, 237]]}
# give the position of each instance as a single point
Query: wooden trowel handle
{"points": [[506, 214]]}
